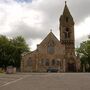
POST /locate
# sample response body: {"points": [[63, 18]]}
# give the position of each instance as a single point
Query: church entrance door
{"points": [[71, 67]]}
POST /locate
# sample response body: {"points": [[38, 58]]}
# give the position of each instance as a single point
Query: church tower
{"points": [[67, 38]]}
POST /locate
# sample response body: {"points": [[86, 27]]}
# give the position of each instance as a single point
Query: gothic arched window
{"points": [[58, 62], [29, 62], [66, 19], [47, 62], [67, 29], [50, 47], [42, 61], [67, 33], [53, 62]]}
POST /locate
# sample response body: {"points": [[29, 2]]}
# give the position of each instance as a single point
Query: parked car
{"points": [[52, 69]]}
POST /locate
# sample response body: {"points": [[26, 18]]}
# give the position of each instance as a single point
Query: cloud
{"points": [[80, 9], [26, 31], [33, 20], [24, 1], [80, 40], [82, 29]]}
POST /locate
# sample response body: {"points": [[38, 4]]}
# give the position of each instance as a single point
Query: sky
{"points": [[33, 19]]}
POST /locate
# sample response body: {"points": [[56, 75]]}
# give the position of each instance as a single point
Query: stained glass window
{"points": [[50, 49]]}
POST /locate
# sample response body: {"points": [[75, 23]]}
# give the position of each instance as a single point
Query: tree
{"points": [[20, 46], [11, 50], [19, 42], [84, 52], [4, 43]]}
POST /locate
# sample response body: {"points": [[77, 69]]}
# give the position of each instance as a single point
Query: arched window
{"points": [[53, 62], [67, 33], [42, 62], [67, 29], [58, 62], [66, 19], [47, 62], [50, 48], [29, 61]]}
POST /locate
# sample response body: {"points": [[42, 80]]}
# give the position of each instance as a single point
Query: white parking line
{"points": [[13, 81]]}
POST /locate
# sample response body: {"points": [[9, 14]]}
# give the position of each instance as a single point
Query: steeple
{"points": [[66, 28], [66, 10], [66, 17]]}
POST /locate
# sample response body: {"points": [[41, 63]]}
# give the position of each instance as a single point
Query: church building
{"points": [[54, 53]]}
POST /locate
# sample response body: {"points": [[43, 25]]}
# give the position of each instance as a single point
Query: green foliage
{"points": [[11, 50], [84, 52], [20, 43]]}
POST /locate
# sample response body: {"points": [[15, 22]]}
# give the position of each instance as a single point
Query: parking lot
{"points": [[45, 81]]}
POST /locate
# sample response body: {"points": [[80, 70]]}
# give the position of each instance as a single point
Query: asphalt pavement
{"points": [[46, 81]]}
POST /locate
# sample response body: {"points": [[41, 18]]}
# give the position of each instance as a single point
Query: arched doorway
{"points": [[71, 67]]}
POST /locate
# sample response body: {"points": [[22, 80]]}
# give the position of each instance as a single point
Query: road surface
{"points": [[46, 81]]}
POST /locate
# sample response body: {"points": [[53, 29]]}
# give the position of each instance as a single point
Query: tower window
{"points": [[67, 29], [66, 19], [67, 33]]}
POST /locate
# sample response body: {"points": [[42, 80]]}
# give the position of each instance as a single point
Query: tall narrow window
{"points": [[47, 62], [58, 62], [50, 47], [66, 19], [67, 33], [53, 62], [29, 62], [67, 29], [42, 62]]}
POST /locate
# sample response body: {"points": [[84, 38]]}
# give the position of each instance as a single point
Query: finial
{"points": [[65, 2], [50, 30]]}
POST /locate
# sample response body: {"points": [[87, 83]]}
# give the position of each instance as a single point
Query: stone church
{"points": [[54, 53]]}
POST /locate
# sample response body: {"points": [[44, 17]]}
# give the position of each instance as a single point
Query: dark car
{"points": [[52, 69]]}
